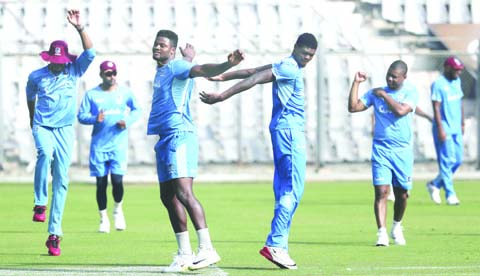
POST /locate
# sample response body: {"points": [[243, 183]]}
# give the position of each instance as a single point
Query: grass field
{"points": [[333, 232]]}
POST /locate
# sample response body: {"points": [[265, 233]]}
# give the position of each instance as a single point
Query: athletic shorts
{"points": [[177, 156], [103, 163], [392, 167]]}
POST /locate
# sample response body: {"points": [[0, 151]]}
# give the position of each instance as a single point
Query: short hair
{"points": [[172, 36], [399, 65], [307, 40]]}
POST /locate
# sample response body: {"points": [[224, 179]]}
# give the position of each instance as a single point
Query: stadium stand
{"points": [[354, 35]]}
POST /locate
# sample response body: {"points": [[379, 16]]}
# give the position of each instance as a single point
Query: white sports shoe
{"points": [[278, 256], [180, 263], [434, 193], [397, 235], [204, 258], [382, 239], [453, 200], [104, 225], [119, 220]]}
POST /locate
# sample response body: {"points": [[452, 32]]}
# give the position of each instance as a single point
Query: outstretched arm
{"points": [[263, 76], [213, 69], [74, 19], [354, 104], [239, 74], [421, 113], [399, 109]]}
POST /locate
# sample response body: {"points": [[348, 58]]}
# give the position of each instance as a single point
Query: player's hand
{"points": [[216, 78], [121, 124], [188, 52], [360, 77], [442, 135], [73, 16], [100, 116], [236, 57], [210, 98]]}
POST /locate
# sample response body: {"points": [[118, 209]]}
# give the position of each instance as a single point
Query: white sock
{"points": [[183, 242], [382, 229], [396, 224], [117, 207], [103, 214], [204, 241]]}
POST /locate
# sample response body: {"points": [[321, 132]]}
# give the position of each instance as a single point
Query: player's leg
{"points": [[64, 138], [98, 168], [44, 144], [447, 163], [165, 152], [288, 186], [118, 168], [382, 178]]}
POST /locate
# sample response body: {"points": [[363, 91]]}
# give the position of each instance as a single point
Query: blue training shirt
{"points": [[390, 130], [56, 95], [288, 96], [117, 105], [449, 94], [172, 90]]}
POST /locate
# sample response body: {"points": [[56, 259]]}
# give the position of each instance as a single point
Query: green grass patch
{"points": [[333, 232]]}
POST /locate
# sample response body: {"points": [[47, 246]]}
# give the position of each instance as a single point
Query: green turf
{"points": [[333, 232]]}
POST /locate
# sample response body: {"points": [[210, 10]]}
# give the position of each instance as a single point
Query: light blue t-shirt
{"points": [[288, 96], [172, 90], [117, 105], [390, 130], [449, 94], [56, 95]]}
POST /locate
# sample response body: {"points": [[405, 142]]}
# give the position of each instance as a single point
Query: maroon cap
{"points": [[108, 66], [58, 53], [454, 62]]}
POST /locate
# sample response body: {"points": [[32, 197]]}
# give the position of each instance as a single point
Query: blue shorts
{"points": [[102, 163], [392, 166], [177, 156]]}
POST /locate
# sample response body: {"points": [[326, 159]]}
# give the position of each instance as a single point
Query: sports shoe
{"points": [[39, 213], [382, 239], [53, 245], [104, 225], [397, 235], [278, 256], [453, 200], [119, 220], [434, 193], [204, 258], [180, 263]]}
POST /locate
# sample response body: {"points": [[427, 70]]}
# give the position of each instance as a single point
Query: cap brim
{"points": [[57, 59]]}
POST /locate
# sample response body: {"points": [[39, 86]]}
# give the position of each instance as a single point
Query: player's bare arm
{"points": [[188, 53], [31, 111], [211, 69], [354, 103], [73, 17], [399, 109], [239, 74], [261, 77]]}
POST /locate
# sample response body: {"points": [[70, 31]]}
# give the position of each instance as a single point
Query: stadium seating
{"points": [[351, 39]]}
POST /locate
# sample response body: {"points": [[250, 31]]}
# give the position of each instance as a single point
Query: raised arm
{"points": [[188, 53], [213, 69], [239, 74], [354, 103], [399, 109], [74, 19], [260, 77]]}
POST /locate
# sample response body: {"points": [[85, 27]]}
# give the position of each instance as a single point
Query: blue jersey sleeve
{"points": [[286, 69], [181, 68], [134, 114], [85, 115], [367, 98]]}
